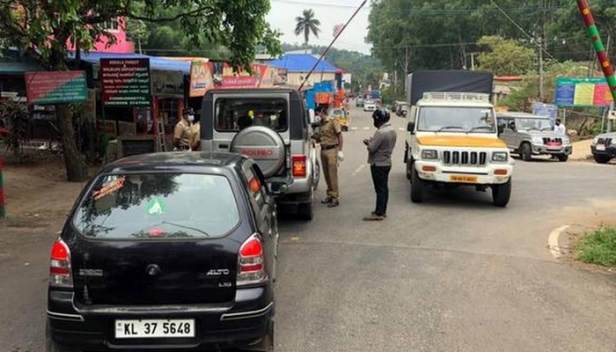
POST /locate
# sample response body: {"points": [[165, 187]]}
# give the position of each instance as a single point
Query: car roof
{"points": [[520, 114], [175, 160]]}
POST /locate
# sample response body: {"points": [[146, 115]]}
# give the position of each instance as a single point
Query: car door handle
{"points": [[223, 146]]}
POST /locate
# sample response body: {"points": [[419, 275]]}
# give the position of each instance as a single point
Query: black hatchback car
{"points": [[166, 251]]}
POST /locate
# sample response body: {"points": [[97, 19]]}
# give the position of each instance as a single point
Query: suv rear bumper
{"points": [[239, 324]]}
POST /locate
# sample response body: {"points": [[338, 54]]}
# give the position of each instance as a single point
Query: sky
{"points": [[330, 13]]}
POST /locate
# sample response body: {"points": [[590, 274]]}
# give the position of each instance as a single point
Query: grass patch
{"points": [[598, 247]]}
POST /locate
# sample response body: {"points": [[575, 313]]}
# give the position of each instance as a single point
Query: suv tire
{"points": [[51, 345], [305, 211], [563, 157], [417, 187], [501, 194], [526, 152], [602, 159]]}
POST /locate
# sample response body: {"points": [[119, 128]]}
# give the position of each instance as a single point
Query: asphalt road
{"points": [[452, 274]]}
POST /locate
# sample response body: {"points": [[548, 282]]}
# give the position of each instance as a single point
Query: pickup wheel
{"points": [[601, 159], [563, 157], [526, 153], [417, 187], [501, 194]]}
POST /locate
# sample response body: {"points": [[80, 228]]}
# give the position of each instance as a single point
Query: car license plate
{"points": [[154, 328], [600, 147], [463, 179]]}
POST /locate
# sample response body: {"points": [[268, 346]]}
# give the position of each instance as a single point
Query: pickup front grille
{"points": [[465, 158], [552, 140], [605, 141]]}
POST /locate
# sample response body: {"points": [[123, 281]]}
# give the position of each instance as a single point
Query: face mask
{"points": [[317, 118], [190, 118]]}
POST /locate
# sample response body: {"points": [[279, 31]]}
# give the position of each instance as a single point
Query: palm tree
{"points": [[306, 24]]}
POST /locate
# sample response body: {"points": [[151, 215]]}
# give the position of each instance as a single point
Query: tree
{"points": [[505, 56], [44, 28], [307, 24]]}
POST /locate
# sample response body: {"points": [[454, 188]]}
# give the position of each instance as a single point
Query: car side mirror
{"points": [[501, 129], [411, 127]]}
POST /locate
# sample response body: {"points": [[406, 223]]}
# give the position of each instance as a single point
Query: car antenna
{"points": [[330, 45]]}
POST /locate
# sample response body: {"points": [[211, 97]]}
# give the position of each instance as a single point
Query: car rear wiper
{"points": [[449, 128], [187, 227]]}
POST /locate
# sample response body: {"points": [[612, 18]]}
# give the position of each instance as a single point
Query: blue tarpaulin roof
{"points": [[155, 62], [302, 63]]}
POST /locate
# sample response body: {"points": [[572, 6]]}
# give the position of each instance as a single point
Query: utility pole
{"points": [[540, 42]]}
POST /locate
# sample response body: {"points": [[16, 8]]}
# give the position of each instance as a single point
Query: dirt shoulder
{"points": [[37, 201]]}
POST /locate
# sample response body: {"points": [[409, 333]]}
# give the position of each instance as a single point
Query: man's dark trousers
{"points": [[380, 178]]}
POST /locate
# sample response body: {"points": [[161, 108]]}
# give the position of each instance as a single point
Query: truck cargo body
{"points": [[419, 82]]}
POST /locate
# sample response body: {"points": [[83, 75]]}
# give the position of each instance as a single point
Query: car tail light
{"points": [[299, 165], [60, 274], [251, 268]]}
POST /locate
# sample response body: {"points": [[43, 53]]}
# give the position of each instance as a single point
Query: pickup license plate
{"points": [[154, 328], [463, 179], [600, 147]]}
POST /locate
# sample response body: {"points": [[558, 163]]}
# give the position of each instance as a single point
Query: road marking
{"points": [[366, 128], [400, 129], [553, 241], [353, 128], [358, 170]]}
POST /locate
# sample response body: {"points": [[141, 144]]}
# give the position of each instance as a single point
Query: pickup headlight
{"points": [[500, 157], [429, 154], [595, 141], [537, 140], [566, 140]]}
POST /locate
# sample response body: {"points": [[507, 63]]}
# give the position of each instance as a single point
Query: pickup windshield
{"points": [[534, 124], [456, 119]]}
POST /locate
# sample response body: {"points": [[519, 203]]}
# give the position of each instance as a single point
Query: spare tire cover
{"points": [[262, 144]]}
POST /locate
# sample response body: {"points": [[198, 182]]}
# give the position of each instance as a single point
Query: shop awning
{"points": [[17, 68], [156, 63]]}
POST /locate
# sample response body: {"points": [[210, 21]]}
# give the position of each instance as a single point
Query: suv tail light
{"points": [[299, 165], [251, 268], [60, 274]]}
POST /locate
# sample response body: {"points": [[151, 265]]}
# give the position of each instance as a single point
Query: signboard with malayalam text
{"points": [[582, 92], [126, 82], [56, 87]]}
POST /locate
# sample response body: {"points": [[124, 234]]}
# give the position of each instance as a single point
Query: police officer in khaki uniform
{"points": [[330, 137], [182, 135]]}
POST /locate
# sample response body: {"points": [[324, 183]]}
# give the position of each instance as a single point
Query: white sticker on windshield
{"points": [[155, 206]]}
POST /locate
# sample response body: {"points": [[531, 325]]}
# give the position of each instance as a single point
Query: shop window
{"points": [[112, 25], [169, 113]]}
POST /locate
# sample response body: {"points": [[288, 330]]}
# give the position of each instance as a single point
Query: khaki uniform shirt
{"points": [[196, 136], [329, 132], [183, 132]]}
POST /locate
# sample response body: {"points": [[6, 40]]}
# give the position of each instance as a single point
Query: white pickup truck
{"points": [[453, 141]]}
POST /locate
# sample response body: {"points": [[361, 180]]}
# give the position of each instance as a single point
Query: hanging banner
{"points": [[200, 78], [126, 82], [582, 92], [56, 87]]}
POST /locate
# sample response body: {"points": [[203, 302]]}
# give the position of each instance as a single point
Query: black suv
{"points": [[166, 251]]}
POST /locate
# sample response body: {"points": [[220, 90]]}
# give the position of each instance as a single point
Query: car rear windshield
{"points": [[157, 206], [235, 114]]}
